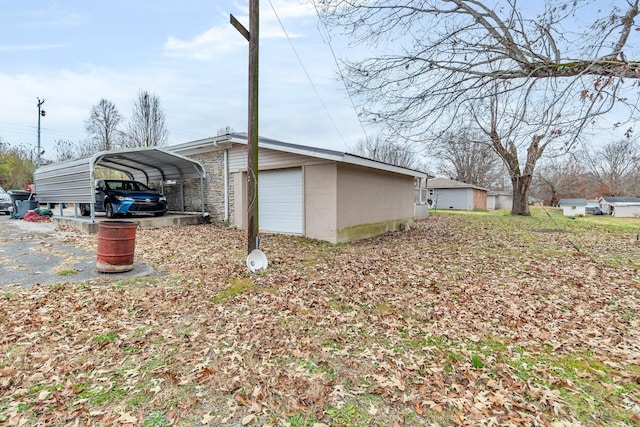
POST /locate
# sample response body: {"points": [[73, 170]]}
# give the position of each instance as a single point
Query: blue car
{"points": [[123, 197]]}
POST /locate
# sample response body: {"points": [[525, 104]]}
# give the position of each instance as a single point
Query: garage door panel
{"points": [[280, 201]]}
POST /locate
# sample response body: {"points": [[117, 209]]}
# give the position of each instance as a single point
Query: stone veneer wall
{"points": [[213, 163]]}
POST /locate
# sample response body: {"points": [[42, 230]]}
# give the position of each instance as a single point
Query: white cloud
{"points": [[205, 46], [223, 38]]}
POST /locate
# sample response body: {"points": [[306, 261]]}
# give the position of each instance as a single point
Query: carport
{"points": [[72, 181]]}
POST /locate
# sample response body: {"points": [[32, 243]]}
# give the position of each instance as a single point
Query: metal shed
{"points": [[72, 181]]}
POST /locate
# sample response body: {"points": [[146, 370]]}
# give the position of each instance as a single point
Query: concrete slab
{"points": [[35, 253], [85, 225]]}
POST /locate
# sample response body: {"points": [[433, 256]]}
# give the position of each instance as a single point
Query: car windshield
{"points": [[2, 190], [127, 186]]}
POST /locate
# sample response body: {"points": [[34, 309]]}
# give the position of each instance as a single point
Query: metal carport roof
{"points": [[72, 181]]}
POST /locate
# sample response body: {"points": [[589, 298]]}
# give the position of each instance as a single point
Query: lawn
{"points": [[482, 319]]}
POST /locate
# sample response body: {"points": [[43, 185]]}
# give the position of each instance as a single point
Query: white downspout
{"points": [[225, 180]]}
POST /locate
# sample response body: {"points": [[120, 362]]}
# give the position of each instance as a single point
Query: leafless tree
{"points": [[102, 127], [224, 131], [515, 72], [65, 150], [616, 166], [562, 177], [467, 156], [147, 126], [388, 151]]}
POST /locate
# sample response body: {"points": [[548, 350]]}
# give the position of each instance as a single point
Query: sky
{"points": [[73, 53]]}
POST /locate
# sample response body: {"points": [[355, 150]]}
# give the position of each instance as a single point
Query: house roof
{"points": [[572, 202], [226, 141], [500, 193], [450, 183], [621, 200]]}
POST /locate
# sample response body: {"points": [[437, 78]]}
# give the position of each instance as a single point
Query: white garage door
{"points": [[280, 200]]}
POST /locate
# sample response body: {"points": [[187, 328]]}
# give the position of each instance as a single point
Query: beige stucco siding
{"points": [[370, 202], [268, 159], [320, 195]]}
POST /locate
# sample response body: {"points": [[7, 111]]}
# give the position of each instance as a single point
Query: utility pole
{"points": [[41, 113], [252, 37]]}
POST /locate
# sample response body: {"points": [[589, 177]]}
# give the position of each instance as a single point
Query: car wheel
{"points": [[158, 214], [84, 211], [109, 210]]}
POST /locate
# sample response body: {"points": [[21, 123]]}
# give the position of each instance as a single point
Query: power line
{"points": [[309, 77], [335, 59]]}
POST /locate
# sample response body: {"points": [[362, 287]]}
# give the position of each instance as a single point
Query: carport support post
{"points": [[252, 136]]}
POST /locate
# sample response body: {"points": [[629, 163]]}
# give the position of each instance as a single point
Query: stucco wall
{"points": [[238, 205], [370, 203], [573, 210], [320, 195], [626, 211]]}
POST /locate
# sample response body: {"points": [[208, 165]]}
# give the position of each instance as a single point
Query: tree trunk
{"points": [[520, 205]]}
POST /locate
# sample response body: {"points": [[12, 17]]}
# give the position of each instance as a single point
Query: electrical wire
{"points": [[309, 76], [335, 59]]}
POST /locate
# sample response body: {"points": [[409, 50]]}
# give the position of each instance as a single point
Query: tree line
{"points": [[17, 165], [587, 171]]}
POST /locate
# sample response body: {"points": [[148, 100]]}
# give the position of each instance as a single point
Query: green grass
{"points": [[156, 419], [237, 286], [68, 272], [349, 414], [105, 338]]}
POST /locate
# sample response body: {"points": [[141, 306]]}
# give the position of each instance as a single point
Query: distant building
{"points": [[621, 207], [450, 194], [573, 207]]}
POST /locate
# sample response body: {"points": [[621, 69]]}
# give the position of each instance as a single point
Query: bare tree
{"points": [[562, 177], [518, 75], [147, 126], [65, 150], [224, 131], [102, 126], [388, 151], [616, 167], [467, 156]]}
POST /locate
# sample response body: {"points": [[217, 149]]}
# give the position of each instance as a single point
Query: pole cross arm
{"points": [[238, 26]]}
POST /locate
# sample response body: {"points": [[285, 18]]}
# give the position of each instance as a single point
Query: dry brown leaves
{"points": [[462, 320]]}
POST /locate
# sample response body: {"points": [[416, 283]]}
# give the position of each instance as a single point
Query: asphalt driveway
{"points": [[33, 253]]}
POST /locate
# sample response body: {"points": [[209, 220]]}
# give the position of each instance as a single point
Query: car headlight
{"points": [[163, 199], [124, 198]]}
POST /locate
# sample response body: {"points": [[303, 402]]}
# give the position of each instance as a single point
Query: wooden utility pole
{"points": [[252, 138]]}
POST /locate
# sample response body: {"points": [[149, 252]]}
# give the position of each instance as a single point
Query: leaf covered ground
{"points": [[464, 319]]}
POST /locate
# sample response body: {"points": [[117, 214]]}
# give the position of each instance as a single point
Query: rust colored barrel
{"points": [[116, 246]]}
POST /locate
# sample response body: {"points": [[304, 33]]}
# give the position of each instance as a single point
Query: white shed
{"points": [[573, 207]]}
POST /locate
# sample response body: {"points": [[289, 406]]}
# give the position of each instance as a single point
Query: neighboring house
{"points": [[573, 207], [449, 194], [621, 207], [314, 192], [499, 200]]}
